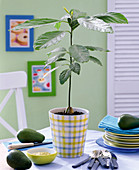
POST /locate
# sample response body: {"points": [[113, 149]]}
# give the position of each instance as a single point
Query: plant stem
{"points": [[69, 96]]}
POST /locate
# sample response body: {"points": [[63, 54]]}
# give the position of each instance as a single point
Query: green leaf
{"points": [[57, 25], [77, 14], [54, 59], [91, 48], [47, 39], [75, 67], [38, 22], [95, 60], [74, 14], [48, 54], [95, 24], [64, 75], [73, 24], [61, 59], [51, 71], [59, 49], [79, 53], [112, 17]]}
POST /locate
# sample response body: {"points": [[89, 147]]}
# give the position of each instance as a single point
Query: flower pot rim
{"points": [[54, 110]]}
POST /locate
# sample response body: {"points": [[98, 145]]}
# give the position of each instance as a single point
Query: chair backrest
{"points": [[14, 82]]}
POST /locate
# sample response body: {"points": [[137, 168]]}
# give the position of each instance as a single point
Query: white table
{"points": [[126, 161]]}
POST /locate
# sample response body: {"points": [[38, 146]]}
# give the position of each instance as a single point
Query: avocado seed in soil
{"points": [[64, 113]]}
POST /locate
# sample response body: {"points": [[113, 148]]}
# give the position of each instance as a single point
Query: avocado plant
{"points": [[77, 53]]}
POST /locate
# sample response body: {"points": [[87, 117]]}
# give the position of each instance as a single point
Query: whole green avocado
{"points": [[127, 121], [29, 135], [18, 160]]}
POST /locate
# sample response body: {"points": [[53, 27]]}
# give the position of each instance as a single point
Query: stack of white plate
{"points": [[121, 140]]}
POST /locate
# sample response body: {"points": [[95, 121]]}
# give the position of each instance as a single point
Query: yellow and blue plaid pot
{"points": [[69, 132]]}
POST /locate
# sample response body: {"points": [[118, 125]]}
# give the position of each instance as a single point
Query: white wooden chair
{"points": [[14, 82]]}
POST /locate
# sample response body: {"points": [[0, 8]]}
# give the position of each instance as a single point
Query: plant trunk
{"points": [[69, 109]]}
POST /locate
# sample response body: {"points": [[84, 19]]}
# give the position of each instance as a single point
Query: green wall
{"points": [[88, 89]]}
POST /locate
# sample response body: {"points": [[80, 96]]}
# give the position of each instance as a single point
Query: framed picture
{"points": [[38, 85], [18, 40]]}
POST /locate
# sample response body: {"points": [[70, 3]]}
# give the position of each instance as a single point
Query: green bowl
{"points": [[41, 159]]}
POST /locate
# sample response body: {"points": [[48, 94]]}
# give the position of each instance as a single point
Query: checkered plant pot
{"points": [[69, 132]]}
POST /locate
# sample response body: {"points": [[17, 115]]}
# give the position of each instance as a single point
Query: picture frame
{"points": [[37, 85], [18, 40]]}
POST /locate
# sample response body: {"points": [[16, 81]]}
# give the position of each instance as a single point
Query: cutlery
{"points": [[96, 165], [95, 154], [96, 158], [82, 162], [100, 158], [107, 157], [114, 163], [91, 158], [26, 145]]}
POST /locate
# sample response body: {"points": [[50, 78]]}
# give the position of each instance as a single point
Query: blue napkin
{"points": [[109, 123]]}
